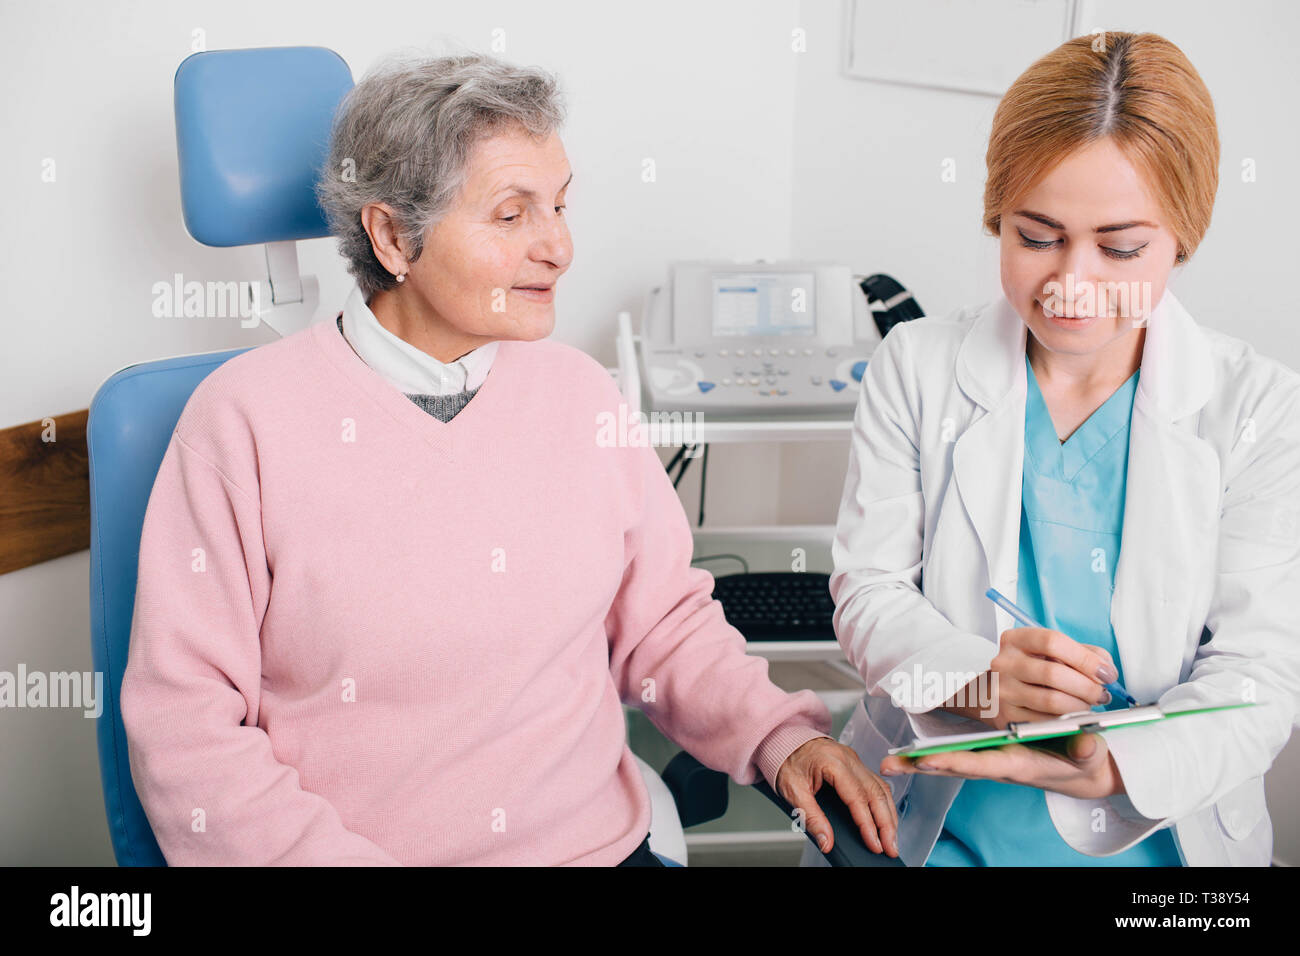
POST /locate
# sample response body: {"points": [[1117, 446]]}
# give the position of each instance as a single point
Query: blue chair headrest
{"points": [[252, 131]]}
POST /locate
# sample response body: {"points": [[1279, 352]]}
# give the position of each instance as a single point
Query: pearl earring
{"points": [[401, 277]]}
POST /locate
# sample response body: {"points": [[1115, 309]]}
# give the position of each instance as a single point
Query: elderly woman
{"points": [[1022, 445], [393, 592]]}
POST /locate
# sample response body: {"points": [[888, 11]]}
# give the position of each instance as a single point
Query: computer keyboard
{"points": [[778, 605]]}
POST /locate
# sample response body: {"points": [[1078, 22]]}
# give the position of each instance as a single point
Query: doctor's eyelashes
{"points": [[1124, 253], [1043, 244], [1035, 243]]}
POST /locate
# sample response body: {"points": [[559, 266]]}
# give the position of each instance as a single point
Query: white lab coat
{"points": [[1206, 607]]}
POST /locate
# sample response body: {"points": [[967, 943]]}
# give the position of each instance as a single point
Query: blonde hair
{"points": [[1136, 88]]}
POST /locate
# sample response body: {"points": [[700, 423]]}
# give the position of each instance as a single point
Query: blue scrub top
{"points": [[1071, 517]]}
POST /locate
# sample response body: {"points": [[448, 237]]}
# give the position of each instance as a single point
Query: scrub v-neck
{"points": [[1051, 457]]}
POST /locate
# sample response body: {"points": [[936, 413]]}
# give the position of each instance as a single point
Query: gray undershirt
{"points": [[442, 407]]}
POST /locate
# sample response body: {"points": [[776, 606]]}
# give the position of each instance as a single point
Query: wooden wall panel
{"points": [[44, 491]]}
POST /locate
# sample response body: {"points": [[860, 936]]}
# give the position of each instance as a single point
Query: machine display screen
{"points": [[764, 304]]}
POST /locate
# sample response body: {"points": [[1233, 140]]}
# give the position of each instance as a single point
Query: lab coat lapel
{"points": [[988, 457], [1171, 504]]}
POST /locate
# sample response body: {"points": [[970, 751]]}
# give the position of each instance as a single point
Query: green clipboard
{"points": [[1067, 725]]}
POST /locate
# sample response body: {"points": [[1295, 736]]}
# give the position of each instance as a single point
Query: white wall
{"points": [[760, 152]]}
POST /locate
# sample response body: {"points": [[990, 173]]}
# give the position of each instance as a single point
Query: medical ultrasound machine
{"points": [[783, 341]]}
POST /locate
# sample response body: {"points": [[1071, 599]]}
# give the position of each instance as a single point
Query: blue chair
{"points": [[252, 130]]}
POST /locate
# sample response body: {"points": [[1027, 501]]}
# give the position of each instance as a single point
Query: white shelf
{"points": [[767, 548], [823, 533], [795, 650], [712, 431], [697, 841]]}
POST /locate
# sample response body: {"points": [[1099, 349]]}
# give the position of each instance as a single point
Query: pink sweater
{"points": [[362, 635]]}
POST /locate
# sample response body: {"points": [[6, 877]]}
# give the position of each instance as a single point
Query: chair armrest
{"points": [[701, 796], [849, 850], [700, 793]]}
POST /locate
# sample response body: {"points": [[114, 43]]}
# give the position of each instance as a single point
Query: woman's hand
{"points": [[1041, 674], [1077, 766], [867, 796]]}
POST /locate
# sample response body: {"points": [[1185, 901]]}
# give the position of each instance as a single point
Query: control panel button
{"points": [[791, 351], [706, 386], [807, 351], [816, 379], [700, 354], [783, 371], [836, 384], [859, 369], [726, 381], [753, 381], [722, 352], [771, 380], [831, 353]]}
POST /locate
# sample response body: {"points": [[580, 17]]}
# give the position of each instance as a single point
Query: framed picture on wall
{"points": [[973, 46]]}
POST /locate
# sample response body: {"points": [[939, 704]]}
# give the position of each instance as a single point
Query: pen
{"points": [[1115, 687]]}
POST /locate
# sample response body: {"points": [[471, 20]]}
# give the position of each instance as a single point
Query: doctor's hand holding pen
{"points": [[1038, 674], [1050, 674]]}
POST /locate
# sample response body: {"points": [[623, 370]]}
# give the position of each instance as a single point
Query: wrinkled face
{"points": [[489, 266], [1087, 252]]}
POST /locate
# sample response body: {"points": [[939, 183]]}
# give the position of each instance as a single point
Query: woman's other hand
{"points": [[868, 798]]}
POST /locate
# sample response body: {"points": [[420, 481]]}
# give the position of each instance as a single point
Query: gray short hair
{"points": [[403, 136]]}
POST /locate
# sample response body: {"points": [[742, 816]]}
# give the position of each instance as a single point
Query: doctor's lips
{"points": [[1064, 320]]}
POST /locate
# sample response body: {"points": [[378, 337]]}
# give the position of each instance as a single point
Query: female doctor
{"points": [[1128, 477]]}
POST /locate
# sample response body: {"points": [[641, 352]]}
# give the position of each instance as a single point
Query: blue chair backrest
{"points": [[130, 426], [252, 131]]}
